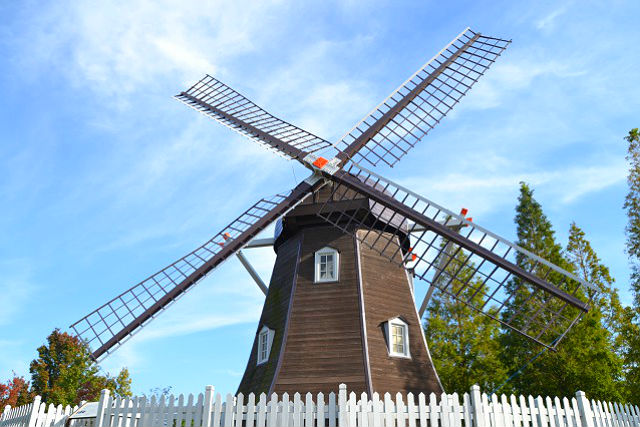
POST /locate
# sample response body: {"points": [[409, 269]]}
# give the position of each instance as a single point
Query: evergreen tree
{"points": [[631, 333], [535, 233], [586, 359], [632, 206], [64, 372], [463, 342]]}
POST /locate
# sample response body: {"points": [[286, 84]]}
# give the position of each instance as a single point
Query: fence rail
{"points": [[473, 409]]}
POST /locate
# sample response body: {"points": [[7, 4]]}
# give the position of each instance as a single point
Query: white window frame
{"points": [[388, 330], [336, 265], [268, 335]]}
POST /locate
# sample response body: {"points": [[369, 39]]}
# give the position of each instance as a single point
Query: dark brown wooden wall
{"points": [[324, 344], [387, 294], [320, 335]]}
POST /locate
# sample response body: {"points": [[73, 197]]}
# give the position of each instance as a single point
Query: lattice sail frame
{"points": [[399, 122], [546, 314], [115, 322], [220, 102]]}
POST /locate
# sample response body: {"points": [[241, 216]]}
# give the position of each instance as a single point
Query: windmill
{"points": [[350, 243]]}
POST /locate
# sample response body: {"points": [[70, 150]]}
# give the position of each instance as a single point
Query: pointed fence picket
{"points": [[36, 414], [209, 409]]}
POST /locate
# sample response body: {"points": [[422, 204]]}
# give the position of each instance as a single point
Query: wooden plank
{"points": [[297, 417], [516, 410], [251, 409], [412, 413], [333, 415], [181, 412], [262, 411], [422, 410], [534, 413], [376, 411], [272, 411], [456, 410], [284, 422], [228, 411], [320, 411], [576, 412], [542, 412], [552, 412], [401, 414], [467, 409], [599, 414], [239, 413], [433, 411], [145, 417], [309, 410], [216, 418], [362, 410]]}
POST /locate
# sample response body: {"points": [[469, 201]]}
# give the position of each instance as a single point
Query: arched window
{"points": [[326, 265], [397, 332], [265, 339]]}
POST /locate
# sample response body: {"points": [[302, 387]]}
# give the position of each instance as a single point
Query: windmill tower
{"points": [[337, 311], [350, 243]]}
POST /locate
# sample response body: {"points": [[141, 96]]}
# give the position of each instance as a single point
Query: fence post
{"points": [[33, 417], [5, 413], [343, 419], [208, 405], [585, 409], [476, 406], [102, 406]]}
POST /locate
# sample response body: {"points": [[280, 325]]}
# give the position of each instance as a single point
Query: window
{"points": [[326, 269], [397, 337], [265, 339]]}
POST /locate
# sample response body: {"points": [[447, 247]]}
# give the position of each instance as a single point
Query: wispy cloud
{"points": [[548, 21], [484, 193]]}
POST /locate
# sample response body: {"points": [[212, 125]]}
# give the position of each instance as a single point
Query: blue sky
{"points": [[104, 178]]}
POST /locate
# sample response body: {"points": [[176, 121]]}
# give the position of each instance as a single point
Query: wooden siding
{"points": [[324, 345], [259, 378], [387, 294]]}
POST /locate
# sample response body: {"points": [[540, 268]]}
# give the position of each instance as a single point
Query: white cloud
{"points": [[483, 192], [548, 21], [116, 49], [515, 73]]}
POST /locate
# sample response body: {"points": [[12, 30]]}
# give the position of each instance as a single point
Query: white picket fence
{"points": [[36, 414], [208, 409]]}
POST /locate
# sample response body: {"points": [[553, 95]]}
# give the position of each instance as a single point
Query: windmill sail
{"points": [[107, 327], [507, 283], [418, 105], [219, 101]]}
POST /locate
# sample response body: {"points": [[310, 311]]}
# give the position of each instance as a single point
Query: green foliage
{"points": [[586, 359], [535, 233], [64, 372], [631, 332], [463, 341]]}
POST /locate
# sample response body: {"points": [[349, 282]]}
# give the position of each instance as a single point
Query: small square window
{"points": [[326, 265]]}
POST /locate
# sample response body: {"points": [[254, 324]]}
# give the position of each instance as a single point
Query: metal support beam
{"points": [[252, 272], [260, 243]]}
